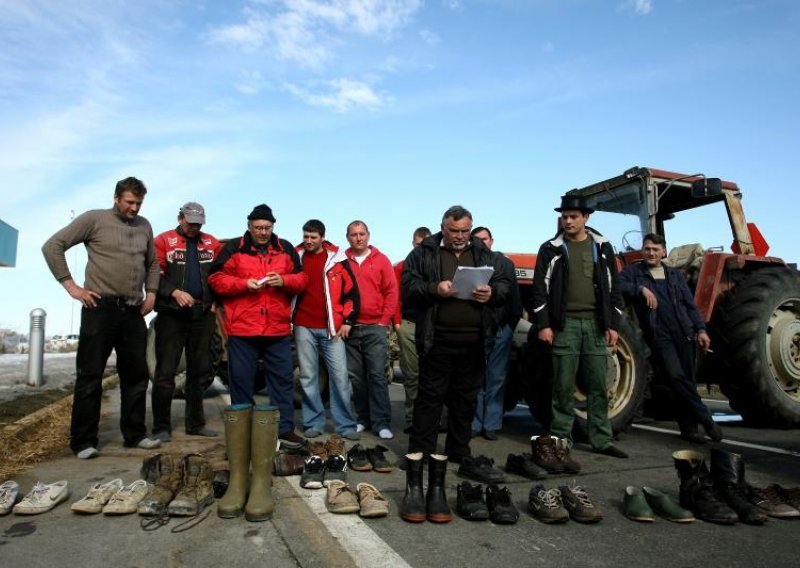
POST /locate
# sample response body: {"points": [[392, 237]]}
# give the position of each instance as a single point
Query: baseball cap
{"points": [[194, 213]]}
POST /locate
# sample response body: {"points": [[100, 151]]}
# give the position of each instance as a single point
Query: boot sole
{"points": [[257, 518], [190, 511], [230, 514], [440, 518], [413, 518]]}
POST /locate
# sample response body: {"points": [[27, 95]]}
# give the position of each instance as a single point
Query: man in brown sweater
{"points": [[121, 262]]}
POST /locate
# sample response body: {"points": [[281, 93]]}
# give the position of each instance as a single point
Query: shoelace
{"points": [[582, 496], [37, 493], [5, 493], [369, 492], [125, 491], [551, 498]]}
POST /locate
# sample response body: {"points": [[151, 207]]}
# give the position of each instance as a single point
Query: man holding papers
{"points": [[453, 336]]}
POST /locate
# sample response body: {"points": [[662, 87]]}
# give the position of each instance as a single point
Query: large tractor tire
{"points": [[626, 380], [758, 324]]}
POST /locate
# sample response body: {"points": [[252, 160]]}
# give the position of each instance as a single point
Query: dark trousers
{"points": [[103, 328], [276, 353], [451, 375], [367, 352], [191, 329], [676, 358]]}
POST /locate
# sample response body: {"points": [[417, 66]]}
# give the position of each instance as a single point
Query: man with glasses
{"points": [[257, 276], [453, 336]]}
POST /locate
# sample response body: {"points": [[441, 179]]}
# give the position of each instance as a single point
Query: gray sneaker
{"points": [[545, 505], [580, 507], [97, 497], [9, 496], [148, 444]]}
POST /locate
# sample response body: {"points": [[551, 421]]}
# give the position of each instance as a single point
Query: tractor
{"points": [[750, 301]]}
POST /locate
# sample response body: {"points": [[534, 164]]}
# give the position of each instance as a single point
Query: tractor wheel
{"points": [[626, 380], [758, 324]]}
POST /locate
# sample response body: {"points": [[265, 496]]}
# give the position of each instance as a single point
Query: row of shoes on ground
{"points": [[366, 500], [723, 495], [179, 486], [326, 462], [41, 498], [558, 505], [496, 506]]}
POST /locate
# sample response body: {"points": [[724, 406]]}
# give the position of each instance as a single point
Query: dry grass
{"points": [[48, 437]]}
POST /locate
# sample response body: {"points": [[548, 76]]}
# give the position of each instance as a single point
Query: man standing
{"points": [[185, 320], [329, 303], [671, 325], [404, 327], [368, 339], [453, 336], [257, 276], [489, 410], [121, 261], [577, 308]]}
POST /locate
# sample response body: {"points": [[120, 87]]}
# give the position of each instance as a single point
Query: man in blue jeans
{"points": [[329, 303], [489, 410]]}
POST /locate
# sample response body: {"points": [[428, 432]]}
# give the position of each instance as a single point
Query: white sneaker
{"points": [[97, 497], [42, 498], [360, 428], [125, 501], [88, 453], [148, 444], [386, 434], [9, 496]]}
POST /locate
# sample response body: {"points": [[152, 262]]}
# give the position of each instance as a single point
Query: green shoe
{"points": [[636, 508], [666, 507]]}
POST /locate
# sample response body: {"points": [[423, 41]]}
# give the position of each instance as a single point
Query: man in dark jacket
{"points": [[185, 320], [671, 325], [577, 309], [489, 410], [453, 336]]}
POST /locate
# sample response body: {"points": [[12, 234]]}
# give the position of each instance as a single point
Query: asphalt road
{"points": [[302, 533]]}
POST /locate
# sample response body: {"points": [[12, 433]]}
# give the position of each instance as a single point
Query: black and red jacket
{"points": [[264, 312], [171, 254]]}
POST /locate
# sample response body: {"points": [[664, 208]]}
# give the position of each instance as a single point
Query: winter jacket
{"points": [[377, 287], [342, 300], [637, 276], [550, 283], [264, 312], [171, 253], [511, 313], [421, 278]]}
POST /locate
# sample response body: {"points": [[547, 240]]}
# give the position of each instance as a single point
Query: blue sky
{"points": [[388, 111]]}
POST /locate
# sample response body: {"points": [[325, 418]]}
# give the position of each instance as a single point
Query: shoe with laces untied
{"points": [[97, 497], [580, 507], [546, 505], [10, 495], [196, 491], [42, 498], [501, 507]]}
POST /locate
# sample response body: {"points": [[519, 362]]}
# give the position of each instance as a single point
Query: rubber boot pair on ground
{"points": [[418, 506], [721, 495], [251, 437]]}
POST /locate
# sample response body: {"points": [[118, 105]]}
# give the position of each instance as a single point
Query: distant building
{"points": [[8, 244]]}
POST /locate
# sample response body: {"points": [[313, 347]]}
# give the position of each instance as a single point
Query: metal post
{"points": [[36, 352]]}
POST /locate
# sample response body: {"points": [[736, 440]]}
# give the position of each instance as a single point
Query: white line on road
{"points": [[362, 544], [725, 440]]}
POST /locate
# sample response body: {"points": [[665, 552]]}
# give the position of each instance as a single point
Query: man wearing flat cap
{"points": [[185, 320], [577, 309], [257, 276]]}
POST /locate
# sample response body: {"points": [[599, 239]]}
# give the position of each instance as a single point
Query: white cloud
{"points": [[250, 83], [452, 4], [640, 7], [305, 31], [341, 95], [429, 37]]}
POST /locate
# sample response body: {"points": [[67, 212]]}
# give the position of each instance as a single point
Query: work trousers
{"points": [[409, 365], [581, 343], [367, 354], [110, 325], [676, 358], [192, 330]]}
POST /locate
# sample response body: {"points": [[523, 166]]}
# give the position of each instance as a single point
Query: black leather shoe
{"points": [[501, 507], [523, 464], [612, 451], [470, 504], [480, 468]]}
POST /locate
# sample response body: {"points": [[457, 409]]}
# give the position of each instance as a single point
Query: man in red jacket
{"points": [[257, 276], [185, 320], [368, 338]]}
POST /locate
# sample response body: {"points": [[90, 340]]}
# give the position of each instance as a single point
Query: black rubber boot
{"points": [[697, 490], [413, 507], [436, 500], [727, 471]]}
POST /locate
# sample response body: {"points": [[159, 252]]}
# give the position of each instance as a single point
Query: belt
{"points": [[118, 301]]}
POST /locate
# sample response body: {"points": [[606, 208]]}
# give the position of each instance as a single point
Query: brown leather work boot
{"points": [[543, 449], [197, 491], [165, 473], [562, 454]]}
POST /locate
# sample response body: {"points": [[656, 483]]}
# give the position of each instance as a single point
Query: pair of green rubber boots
{"points": [[644, 504], [251, 437]]}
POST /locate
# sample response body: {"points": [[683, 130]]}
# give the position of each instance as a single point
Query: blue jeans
{"points": [[489, 410], [367, 352], [276, 352], [310, 342]]}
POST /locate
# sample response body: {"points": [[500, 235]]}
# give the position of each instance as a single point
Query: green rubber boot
{"points": [[237, 444], [264, 441]]}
